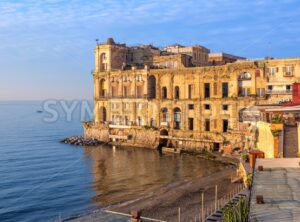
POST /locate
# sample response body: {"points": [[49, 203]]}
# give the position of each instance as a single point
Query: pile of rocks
{"points": [[80, 140]]}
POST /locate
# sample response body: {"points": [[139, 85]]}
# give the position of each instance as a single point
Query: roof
{"points": [[279, 185], [221, 54]]}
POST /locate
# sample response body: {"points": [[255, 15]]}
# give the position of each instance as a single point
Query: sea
{"points": [[42, 179]]}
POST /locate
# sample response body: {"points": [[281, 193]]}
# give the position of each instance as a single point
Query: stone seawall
{"points": [[137, 137], [150, 138]]}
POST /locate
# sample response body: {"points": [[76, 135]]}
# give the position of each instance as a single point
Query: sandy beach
{"points": [[164, 202]]}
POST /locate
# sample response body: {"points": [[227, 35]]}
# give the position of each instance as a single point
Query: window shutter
{"points": [[283, 69], [277, 69], [257, 73]]}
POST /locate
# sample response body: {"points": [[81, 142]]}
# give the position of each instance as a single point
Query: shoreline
{"points": [[163, 203]]}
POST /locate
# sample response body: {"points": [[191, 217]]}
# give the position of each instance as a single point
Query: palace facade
{"points": [[177, 97]]}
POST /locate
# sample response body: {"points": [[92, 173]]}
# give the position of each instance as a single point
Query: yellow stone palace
{"points": [[184, 97]]}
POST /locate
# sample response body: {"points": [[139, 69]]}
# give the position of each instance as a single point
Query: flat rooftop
{"points": [[279, 184]]}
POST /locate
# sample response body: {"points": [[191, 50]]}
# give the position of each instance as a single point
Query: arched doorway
{"points": [[162, 140], [151, 87], [177, 118], [102, 114]]}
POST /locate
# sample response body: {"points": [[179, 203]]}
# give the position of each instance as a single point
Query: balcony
{"points": [[122, 97], [244, 78], [287, 91], [117, 126], [288, 74], [164, 124]]}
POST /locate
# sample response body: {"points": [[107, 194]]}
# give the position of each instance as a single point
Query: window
{"points": [[139, 91], [271, 71], [113, 119], [270, 87], [260, 92], [190, 91], [139, 121], [114, 106], [207, 125], [139, 78], [125, 78], [177, 118], [257, 73], [224, 107], [244, 76], [288, 88], [151, 87], [191, 123], [114, 91], [152, 123], [164, 92], [126, 106], [207, 106], [165, 115], [175, 64], [139, 106], [225, 125], [206, 90], [288, 70], [126, 120], [126, 91], [176, 92], [191, 106], [244, 91], [224, 90]]}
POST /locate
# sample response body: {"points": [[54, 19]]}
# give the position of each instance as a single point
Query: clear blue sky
{"points": [[46, 46]]}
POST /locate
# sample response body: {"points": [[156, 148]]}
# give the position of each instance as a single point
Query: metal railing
{"points": [[145, 96], [287, 91]]}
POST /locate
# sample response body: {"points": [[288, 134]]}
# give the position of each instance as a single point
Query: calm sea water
{"points": [[42, 179]]}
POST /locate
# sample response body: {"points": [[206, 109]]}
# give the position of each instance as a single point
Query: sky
{"points": [[46, 46]]}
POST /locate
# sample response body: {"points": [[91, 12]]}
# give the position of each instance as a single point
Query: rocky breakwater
{"points": [[80, 140]]}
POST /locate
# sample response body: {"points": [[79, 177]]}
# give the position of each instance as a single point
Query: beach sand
{"points": [[164, 202]]}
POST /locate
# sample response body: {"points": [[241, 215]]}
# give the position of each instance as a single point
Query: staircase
{"points": [[290, 146]]}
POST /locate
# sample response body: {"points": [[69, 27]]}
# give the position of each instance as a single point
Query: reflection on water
{"points": [[125, 173], [42, 179]]}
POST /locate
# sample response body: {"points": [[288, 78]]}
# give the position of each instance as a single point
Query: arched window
{"points": [[103, 62], [245, 76], [102, 114], [164, 93], [102, 88], [151, 87], [177, 118], [177, 92], [165, 115]]}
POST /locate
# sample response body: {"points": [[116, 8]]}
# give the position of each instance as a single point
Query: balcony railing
{"points": [[287, 91], [164, 123], [288, 74], [145, 96], [243, 78]]}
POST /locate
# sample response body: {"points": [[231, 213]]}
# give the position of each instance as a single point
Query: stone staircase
{"points": [[290, 144]]}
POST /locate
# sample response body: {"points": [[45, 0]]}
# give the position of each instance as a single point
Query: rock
{"points": [[80, 140]]}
